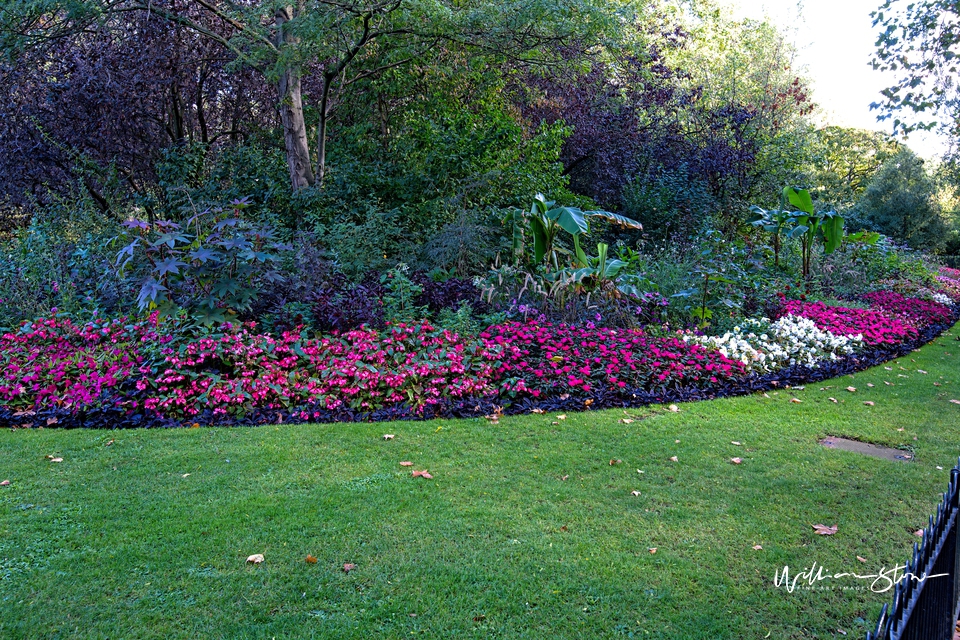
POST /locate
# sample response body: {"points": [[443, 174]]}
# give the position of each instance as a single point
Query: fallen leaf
{"points": [[736, 460], [626, 421], [20, 414], [348, 567], [757, 547], [900, 429], [890, 384], [841, 631], [939, 468], [615, 462], [562, 417], [422, 474], [734, 442], [799, 388], [587, 402], [824, 530], [676, 442], [870, 385], [833, 400], [480, 618], [185, 475], [861, 559], [56, 459], [311, 559], [639, 471], [108, 443], [406, 463], [921, 371], [766, 395], [5, 483], [564, 396], [256, 558], [852, 389], [796, 400], [554, 422], [918, 533], [51, 421], [936, 384], [635, 493], [537, 411], [955, 401], [674, 408], [388, 436], [868, 403], [673, 459], [195, 425], [889, 368], [564, 478], [652, 549]]}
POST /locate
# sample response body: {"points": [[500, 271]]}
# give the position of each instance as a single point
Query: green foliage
{"points": [[671, 204], [399, 303], [900, 202], [212, 265], [843, 162]]}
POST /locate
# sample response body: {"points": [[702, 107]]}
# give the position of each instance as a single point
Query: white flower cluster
{"points": [[764, 346], [942, 298]]}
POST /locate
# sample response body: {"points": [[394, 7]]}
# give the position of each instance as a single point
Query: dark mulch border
{"points": [[119, 418]]}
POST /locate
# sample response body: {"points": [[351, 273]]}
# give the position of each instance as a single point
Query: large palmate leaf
{"points": [[799, 198]]}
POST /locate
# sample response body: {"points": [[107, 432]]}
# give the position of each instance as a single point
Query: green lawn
{"points": [[147, 537]]}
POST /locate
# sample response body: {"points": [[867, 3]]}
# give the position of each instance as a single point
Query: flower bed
{"points": [[152, 370], [765, 346], [874, 327]]}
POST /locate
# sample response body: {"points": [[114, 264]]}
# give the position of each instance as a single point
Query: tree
{"points": [[338, 41], [920, 40], [901, 202], [844, 161]]}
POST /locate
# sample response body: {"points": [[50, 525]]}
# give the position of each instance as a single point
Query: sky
{"points": [[835, 41]]}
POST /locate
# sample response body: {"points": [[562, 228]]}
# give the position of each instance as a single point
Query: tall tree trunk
{"points": [[322, 135], [291, 111]]}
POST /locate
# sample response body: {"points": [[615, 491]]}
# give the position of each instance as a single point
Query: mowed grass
{"points": [[525, 531]]}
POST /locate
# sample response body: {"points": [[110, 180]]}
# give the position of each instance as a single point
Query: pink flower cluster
{"points": [[546, 359], [948, 281], [915, 312], [876, 327], [239, 371], [52, 362]]}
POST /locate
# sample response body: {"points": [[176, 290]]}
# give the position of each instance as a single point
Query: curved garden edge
{"points": [[603, 398]]}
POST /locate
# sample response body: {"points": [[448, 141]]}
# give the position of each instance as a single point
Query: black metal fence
{"points": [[926, 608]]}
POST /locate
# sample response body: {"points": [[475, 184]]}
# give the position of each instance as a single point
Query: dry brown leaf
{"points": [[918, 533], [615, 462], [422, 474], [674, 408], [901, 429], [564, 478], [674, 459], [868, 403], [955, 401], [890, 384], [870, 385], [348, 567], [861, 559], [5, 483], [652, 549], [537, 411], [20, 414], [889, 368], [256, 558], [736, 460], [56, 459], [51, 421], [626, 421], [388, 436], [562, 417], [734, 442], [186, 475], [766, 395], [311, 559], [757, 547], [108, 443], [635, 493], [406, 463], [796, 400], [833, 400], [587, 402], [824, 530], [852, 389], [921, 371]]}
